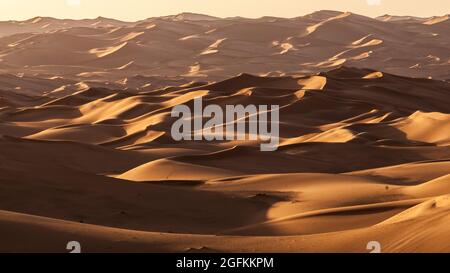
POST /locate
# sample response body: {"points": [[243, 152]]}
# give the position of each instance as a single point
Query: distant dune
{"points": [[87, 154], [199, 46]]}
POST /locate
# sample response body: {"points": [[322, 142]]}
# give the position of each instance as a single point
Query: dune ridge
{"points": [[384, 136], [223, 47], [87, 152]]}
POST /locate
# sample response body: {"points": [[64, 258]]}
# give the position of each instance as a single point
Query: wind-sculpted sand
{"points": [[204, 47], [87, 152]]}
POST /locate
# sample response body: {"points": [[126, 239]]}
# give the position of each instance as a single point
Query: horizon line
{"points": [[221, 18]]}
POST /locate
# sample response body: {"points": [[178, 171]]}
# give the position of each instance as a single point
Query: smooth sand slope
{"points": [[363, 156], [198, 46], [87, 153]]}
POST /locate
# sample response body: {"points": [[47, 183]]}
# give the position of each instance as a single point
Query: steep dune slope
{"points": [[88, 154], [105, 157], [200, 46]]}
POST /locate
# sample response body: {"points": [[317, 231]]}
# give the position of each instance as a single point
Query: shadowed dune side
{"points": [[54, 235], [88, 155], [217, 48], [101, 164]]}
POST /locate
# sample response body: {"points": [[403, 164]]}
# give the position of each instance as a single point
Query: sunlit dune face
{"points": [[124, 135]]}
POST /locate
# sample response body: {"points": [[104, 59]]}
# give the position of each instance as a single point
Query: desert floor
{"points": [[87, 154]]}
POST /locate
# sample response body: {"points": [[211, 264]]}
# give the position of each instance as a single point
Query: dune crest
{"points": [[225, 47], [87, 150]]}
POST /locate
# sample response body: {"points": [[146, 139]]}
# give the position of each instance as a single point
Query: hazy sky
{"points": [[139, 9]]}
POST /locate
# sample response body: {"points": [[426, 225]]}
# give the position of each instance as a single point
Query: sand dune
{"points": [[224, 47], [399, 125], [87, 152], [54, 235]]}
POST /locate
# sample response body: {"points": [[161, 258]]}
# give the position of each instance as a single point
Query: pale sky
{"points": [[132, 10]]}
